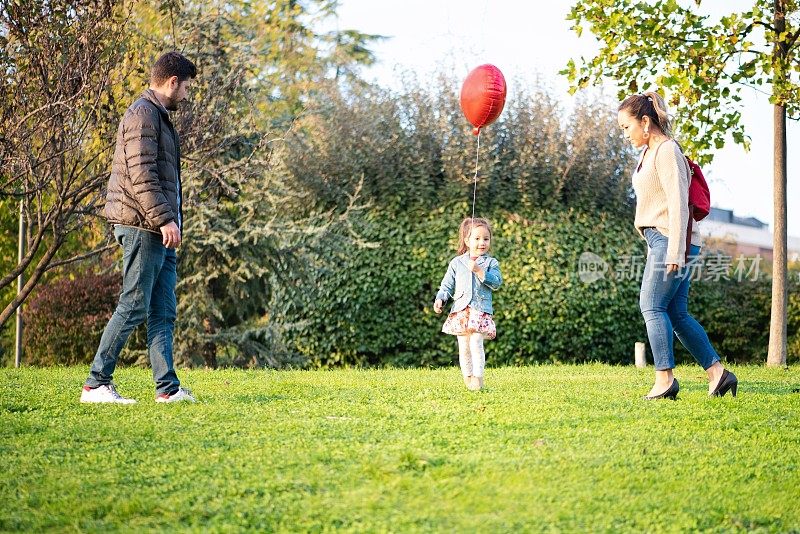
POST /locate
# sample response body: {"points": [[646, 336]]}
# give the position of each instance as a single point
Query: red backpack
{"points": [[699, 195], [699, 200]]}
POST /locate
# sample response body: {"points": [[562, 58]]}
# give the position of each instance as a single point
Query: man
{"points": [[144, 205]]}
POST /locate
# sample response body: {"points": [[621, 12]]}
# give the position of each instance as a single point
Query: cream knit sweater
{"points": [[661, 185]]}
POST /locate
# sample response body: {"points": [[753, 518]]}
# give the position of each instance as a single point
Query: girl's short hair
{"points": [[466, 227], [649, 104]]}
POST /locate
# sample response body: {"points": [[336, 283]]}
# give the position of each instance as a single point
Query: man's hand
{"points": [[437, 306], [672, 267], [171, 235]]}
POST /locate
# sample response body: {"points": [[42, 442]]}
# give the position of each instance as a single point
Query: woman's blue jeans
{"points": [[148, 293], [664, 302]]}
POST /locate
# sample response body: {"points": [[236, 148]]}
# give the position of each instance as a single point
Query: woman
{"points": [[661, 184]]}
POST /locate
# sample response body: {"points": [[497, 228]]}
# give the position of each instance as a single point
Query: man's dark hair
{"points": [[172, 64]]}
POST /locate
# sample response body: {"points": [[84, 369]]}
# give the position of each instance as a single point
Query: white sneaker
{"points": [[180, 395], [105, 393]]}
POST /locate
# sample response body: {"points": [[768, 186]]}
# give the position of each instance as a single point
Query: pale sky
{"points": [[530, 40]]}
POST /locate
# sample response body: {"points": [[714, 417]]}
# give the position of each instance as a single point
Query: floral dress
{"points": [[469, 320]]}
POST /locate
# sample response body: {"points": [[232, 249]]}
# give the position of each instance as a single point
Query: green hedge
{"points": [[375, 306], [736, 316]]}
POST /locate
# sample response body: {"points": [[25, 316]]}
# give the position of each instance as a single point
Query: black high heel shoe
{"points": [[727, 382], [670, 393]]}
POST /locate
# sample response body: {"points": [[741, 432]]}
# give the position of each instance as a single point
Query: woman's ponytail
{"points": [[652, 105], [660, 108]]}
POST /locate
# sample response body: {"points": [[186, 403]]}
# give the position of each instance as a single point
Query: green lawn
{"points": [[549, 448]]}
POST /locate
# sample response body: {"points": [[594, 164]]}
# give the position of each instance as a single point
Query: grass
{"points": [[549, 448]]}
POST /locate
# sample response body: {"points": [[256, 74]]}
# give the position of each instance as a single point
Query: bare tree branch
{"points": [[81, 257]]}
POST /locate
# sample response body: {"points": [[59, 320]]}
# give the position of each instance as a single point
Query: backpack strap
{"points": [[691, 208], [689, 172], [663, 143], [641, 160]]}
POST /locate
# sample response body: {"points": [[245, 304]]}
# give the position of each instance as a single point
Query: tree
{"points": [[703, 66], [250, 227], [57, 59], [349, 49]]}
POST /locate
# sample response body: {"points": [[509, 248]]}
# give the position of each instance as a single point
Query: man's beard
{"points": [[170, 103]]}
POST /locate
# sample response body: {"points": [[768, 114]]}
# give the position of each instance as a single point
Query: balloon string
{"points": [[475, 180]]}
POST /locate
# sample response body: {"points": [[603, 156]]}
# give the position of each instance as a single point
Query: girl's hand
{"points": [[437, 306], [474, 267], [672, 267]]}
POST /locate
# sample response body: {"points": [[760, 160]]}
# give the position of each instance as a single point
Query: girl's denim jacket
{"points": [[464, 286]]}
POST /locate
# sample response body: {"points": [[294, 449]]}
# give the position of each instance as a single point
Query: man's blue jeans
{"points": [[664, 302], [148, 293]]}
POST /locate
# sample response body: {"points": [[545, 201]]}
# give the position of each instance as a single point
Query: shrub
{"points": [[65, 319], [413, 150], [375, 307]]}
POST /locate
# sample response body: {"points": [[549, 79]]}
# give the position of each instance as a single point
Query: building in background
{"points": [[727, 233]]}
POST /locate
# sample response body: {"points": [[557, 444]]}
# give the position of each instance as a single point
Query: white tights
{"points": [[471, 355]]}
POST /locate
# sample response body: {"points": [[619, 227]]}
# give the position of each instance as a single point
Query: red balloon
{"points": [[483, 96]]}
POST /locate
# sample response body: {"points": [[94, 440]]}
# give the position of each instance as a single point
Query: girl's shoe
{"points": [[670, 393], [476, 383], [727, 382], [468, 380]]}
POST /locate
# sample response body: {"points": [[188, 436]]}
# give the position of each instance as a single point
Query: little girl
{"points": [[469, 281]]}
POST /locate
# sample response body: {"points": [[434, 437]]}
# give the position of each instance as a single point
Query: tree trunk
{"points": [[37, 273], [777, 330], [209, 350], [776, 356]]}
